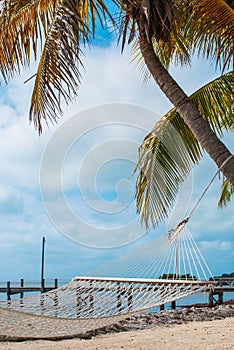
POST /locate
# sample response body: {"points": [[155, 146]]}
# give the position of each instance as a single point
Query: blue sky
{"points": [[111, 82]]}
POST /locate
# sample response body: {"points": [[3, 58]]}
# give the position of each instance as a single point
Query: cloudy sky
{"points": [[89, 156]]}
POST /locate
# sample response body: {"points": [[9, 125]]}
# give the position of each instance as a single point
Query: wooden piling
{"points": [[220, 298], [211, 298], [130, 298], [21, 293], [21, 285], [173, 305], [8, 290], [119, 303], [91, 299], [42, 285], [56, 303]]}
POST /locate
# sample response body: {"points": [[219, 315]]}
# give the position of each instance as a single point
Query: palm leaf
{"points": [[201, 26], [211, 30], [169, 152], [61, 27], [216, 14], [22, 25], [227, 191], [58, 73], [215, 103]]}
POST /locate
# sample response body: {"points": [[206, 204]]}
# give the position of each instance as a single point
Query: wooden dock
{"points": [[216, 296], [225, 285], [11, 289]]}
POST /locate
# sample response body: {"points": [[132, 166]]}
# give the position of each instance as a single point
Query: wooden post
{"points": [[130, 298], [8, 290], [42, 285], [220, 298], [119, 303], [162, 307], [173, 305], [56, 303], [21, 285], [91, 299], [211, 299], [177, 258], [21, 293], [42, 259]]}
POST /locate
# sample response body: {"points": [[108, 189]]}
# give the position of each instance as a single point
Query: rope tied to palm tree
{"points": [[173, 233], [208, 186]]}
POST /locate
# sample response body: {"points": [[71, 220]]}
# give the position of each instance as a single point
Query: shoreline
{"points": [[207, 335], [20, 326], [168, 317]]}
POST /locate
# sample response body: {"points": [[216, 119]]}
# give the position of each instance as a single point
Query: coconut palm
{"points": [[161, 174], [63, 26], [147, 33]]}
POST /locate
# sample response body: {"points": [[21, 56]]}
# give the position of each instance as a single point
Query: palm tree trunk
{"points": [[191, 115]]}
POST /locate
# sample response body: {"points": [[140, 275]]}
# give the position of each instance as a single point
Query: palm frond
{"points": [[169, 152], [164, 161], [227, 191], [58, 74], [216, 14], [61, 27], [157, 18], [201, 26], [211, 30], [23, 24], [215, 103]]}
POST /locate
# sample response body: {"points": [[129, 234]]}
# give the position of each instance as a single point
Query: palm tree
{"points": [[63, 26], [161, 172], [146, 18]]}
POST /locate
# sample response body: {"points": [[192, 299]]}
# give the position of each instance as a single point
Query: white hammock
{"points": [[164, 270]]}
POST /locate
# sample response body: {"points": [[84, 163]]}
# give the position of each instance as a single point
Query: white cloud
{"points": [[11, 201], [216, 245]]}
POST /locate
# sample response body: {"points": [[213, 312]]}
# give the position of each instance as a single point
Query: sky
{"points": [[90, 156]]}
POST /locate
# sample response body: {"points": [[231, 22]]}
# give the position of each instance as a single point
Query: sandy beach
{"points": [[208, 335], [192, 328]]}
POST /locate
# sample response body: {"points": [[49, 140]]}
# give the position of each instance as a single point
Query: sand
{"points": [[207, 335]]}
